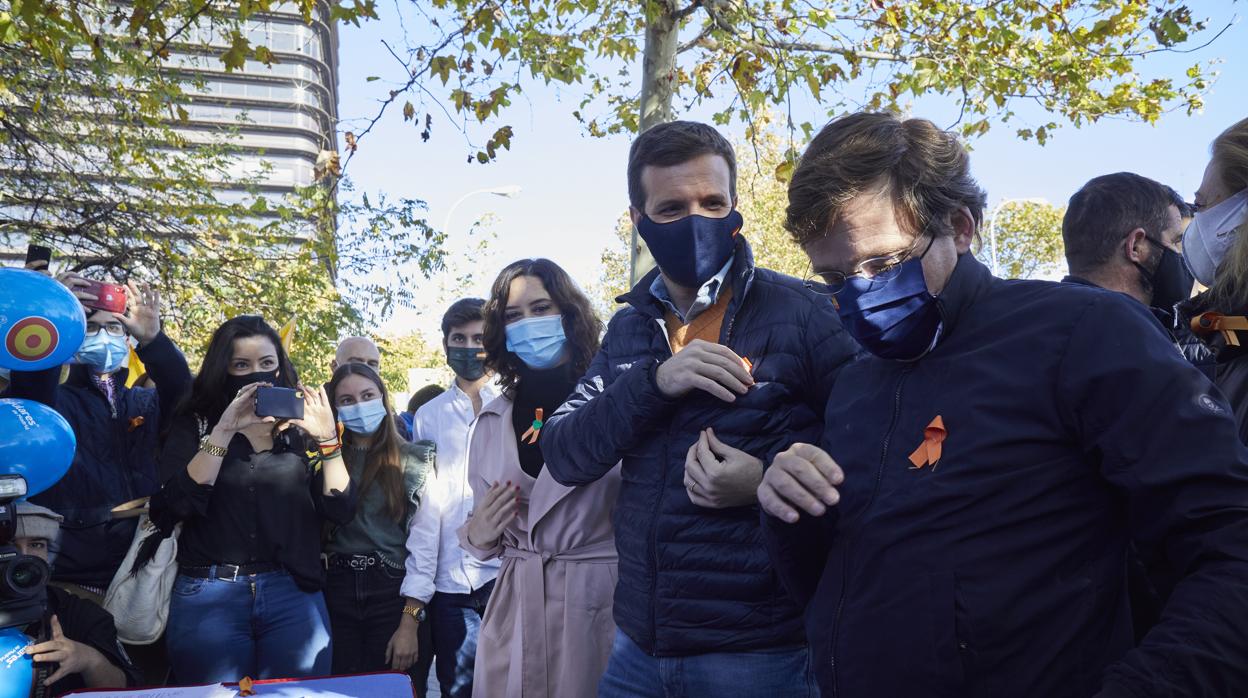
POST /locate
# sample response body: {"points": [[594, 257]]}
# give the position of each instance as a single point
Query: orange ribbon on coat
{"points": [[530, 435], [928, 452]]}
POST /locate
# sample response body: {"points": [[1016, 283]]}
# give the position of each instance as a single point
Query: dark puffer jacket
{"points": [[116, 457], [696, 580]]}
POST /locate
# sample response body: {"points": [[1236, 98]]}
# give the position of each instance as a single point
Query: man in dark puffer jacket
{"points": [[714, 366]]}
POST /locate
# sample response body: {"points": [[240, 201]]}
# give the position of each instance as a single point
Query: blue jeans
{"points": [[262, 626], [632, 673], [455, 620]]}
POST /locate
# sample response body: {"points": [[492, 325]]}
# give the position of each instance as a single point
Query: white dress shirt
{"points": [[435, 562]]}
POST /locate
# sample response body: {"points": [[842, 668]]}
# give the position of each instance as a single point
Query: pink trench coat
{"points": [[548, 627]]}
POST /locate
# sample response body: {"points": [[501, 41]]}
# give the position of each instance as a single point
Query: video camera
{"points": [[23, 578]]}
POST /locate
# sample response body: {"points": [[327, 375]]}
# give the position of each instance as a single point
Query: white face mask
{"points": [[1211, 233]]}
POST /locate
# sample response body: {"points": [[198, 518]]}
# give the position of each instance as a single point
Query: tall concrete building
{"points": [[286, 113]]}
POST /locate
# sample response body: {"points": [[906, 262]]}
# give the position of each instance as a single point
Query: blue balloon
{"points": [[42, 324], [17, 671], [35, 442]]}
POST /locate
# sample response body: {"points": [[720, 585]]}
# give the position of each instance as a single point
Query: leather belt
{"points": [[359, 563], [230, 573]]}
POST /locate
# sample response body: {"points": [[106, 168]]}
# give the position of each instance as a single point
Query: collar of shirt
{"points": [[489, 391], [707, 295]]}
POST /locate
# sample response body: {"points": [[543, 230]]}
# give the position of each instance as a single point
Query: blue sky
{"points": [[573, 185]]}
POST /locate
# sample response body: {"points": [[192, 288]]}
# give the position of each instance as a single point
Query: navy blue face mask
{"points": [[895, 318], [692, 250]]}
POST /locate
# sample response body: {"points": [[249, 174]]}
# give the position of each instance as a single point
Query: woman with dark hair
{"points": [[374, 627], [252, 494], [548, 627]]}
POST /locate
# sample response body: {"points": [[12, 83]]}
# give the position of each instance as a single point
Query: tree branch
{"points": [[683, 13]]}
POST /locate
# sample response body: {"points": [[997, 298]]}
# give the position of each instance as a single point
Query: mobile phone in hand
{"points": [[38, 257], [279, 403], [110, 297]]}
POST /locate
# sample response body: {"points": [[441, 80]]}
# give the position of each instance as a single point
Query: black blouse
{"points": [[264, 507], [547, 389]]}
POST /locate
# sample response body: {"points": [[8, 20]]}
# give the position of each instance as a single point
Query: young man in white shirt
{"points": [[440, 575]]}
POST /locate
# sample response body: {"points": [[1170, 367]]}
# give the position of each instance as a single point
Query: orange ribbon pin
{"points": [[928, 452], [531, 434]]}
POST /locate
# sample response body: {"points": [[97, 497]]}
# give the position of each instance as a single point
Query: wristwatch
{"points": [[210, 448], [416, 612]]}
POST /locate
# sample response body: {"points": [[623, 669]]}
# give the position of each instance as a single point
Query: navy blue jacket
{"points": [[1073, 426], [116, 457], [694, 580]]}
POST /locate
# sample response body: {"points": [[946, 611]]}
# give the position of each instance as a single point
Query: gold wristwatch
{"points": [[210, 448], [416, 612]]}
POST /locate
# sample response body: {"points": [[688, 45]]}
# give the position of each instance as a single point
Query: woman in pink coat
{"points": [[548, 627]]}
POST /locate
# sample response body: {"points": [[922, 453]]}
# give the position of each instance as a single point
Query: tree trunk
{"points": [[658, 66]]}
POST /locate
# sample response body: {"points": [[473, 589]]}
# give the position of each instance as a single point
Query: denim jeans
{"points": [[365, 607], [632, 673], [262, 626], [455, 620]]}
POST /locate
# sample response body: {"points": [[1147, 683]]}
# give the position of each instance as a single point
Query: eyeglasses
{"points": [[113, 329], [878, 269]]}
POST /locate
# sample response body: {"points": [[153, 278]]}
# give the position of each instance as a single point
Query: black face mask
{"points": [[236, 383], [467, 363], [1170, 281]]}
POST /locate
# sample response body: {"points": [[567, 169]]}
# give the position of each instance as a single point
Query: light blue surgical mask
{"points": [[538, 341], [363, 417], [104, 353]]}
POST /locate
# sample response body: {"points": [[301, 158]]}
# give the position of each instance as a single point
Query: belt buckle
{"points": [[234, 578], [360, 563]]}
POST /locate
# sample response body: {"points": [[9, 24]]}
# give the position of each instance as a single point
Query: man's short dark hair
{"points": [[1101, 214], [422, 396], [1186, 210], [671, 144], [462, 312]]}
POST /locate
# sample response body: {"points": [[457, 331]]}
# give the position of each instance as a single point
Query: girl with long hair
{"points": [[252, 494], [1215, 247], [374, 627], [548, 627]]}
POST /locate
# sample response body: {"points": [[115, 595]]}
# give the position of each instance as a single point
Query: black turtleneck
{"points": [[547, 390]]}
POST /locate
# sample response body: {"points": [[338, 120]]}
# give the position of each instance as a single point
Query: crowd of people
{"points": [[899, 476]]}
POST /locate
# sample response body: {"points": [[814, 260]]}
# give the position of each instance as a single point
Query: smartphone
{"points": [[281, 403], [110, 297], [38, 257]]}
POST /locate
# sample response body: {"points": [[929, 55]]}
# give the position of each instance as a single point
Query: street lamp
{"points": [[992, 220], [509, 191]]}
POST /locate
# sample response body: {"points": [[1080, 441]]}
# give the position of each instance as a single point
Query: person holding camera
{"points": [[374, 627], [117, 427], [252, 483], [76, 638]]}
